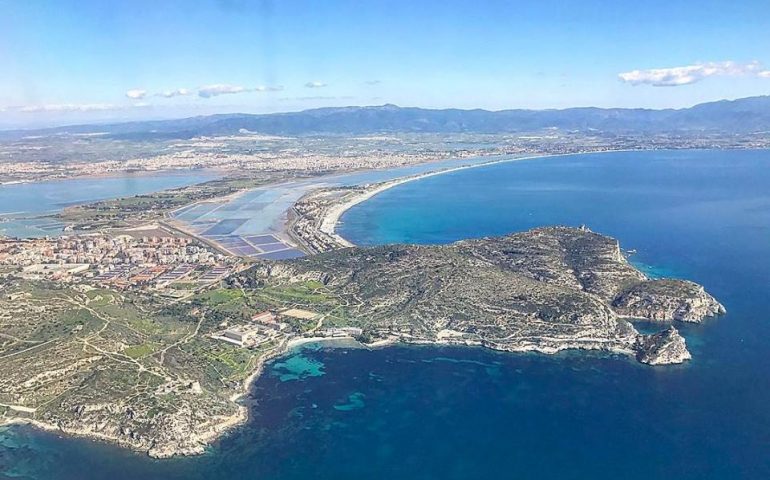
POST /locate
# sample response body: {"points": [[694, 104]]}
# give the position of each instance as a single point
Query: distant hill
{"points": [[746, 115]]}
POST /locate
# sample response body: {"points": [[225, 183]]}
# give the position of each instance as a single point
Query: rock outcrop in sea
{"points": [[662, 348]]}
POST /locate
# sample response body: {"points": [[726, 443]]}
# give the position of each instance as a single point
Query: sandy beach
{"points": [[334, 214]]}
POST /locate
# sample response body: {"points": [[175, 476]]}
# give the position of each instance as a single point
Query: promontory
{"points": [[164, 375]]}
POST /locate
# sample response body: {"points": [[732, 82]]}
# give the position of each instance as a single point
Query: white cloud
{"points": [[136, 93], [315, 84], [179, 92], [676, 76]]}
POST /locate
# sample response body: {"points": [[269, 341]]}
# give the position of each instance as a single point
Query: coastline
{"points": [[205, 438], [329, 222], [333, 215]]}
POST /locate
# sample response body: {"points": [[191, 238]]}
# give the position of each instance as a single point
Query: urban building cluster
{"points": [[120, 260]]}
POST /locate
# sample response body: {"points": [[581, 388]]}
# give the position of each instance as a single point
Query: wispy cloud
{"points": [[315, 84], [136, 93], [206, 91], [262, 88], [689, 74], [179, 92], [373, 82], [73, 107], [225, 89], [209, 91]]}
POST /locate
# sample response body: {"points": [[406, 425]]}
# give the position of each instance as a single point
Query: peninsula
{"points": [[135, 331], [164, 377]]}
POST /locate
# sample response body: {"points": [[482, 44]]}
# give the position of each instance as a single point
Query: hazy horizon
{"points": [[91, 62], [106, 121]]}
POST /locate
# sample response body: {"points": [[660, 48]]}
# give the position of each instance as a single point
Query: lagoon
{"points": [[20, 201]]}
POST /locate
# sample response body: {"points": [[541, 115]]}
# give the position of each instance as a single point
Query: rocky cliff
{"points": [[667, 299]]}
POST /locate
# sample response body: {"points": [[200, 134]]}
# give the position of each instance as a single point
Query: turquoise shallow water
{"points": [[459, 413]]}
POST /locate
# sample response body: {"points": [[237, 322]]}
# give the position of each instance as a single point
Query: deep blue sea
{"points": [[465, 413]]}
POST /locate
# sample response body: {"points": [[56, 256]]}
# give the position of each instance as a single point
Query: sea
{"points": [[414, 412]]}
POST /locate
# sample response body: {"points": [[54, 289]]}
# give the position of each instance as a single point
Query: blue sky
{"points": [[89, 60]]}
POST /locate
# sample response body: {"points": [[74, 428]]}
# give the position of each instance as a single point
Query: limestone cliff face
{"points": [[662, 348], [666, 300]]}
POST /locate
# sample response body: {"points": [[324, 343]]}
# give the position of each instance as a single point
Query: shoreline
{"points": [[242, 415], [332, 217], [205, 438], [282, 225]]}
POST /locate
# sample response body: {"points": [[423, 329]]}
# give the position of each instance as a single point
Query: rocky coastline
{"points": [[546, 290], [578, 259]]}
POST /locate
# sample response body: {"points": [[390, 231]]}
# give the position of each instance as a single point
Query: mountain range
{"points": [[742, 116]]}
